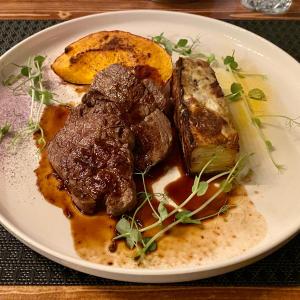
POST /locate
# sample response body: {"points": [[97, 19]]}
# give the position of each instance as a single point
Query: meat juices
{"points": [[119, 125]]}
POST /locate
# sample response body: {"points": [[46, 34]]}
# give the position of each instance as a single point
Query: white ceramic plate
{"points": [[43, 227]]}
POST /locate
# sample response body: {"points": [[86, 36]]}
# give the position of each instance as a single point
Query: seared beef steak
{"points": [[153, 140], [137, 100], [92, 153]]}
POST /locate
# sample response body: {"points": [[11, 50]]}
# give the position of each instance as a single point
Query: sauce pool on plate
{"points": [[92, 235]]}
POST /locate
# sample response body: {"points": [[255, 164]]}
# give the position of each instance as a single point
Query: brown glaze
{"points": [[144, 71], [94, 233], [180, 189]]}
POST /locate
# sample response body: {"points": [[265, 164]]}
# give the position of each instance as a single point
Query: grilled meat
{"points": [[92, 153], [137, 100]]}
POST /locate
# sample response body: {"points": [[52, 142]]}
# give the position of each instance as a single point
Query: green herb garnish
{"points": [[257, 122], [257, 94], [133, 233], [185, 217], [237, 93], [290, 121], [233, 66], [230, 62], [29, 81], [182, 47]]}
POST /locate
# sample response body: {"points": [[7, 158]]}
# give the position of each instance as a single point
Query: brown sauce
{"points": [[180, 189], [96, 232], [82, 88], [88, 231], [145, 71]]}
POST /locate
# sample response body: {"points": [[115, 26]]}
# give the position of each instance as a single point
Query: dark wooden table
{"points": [[67, 9]]}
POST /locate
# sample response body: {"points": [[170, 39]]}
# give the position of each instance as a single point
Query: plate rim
{"points": [[61, 258]]}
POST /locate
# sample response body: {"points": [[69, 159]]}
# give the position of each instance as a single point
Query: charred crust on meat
{"points": [[93, 152]]}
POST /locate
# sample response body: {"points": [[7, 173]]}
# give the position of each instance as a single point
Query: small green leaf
{"points": [[257, 94], [228, 60], [257, 121], [269, 145], [4, 130], [211, 58], [48, 97], [195, 184], [236, 88], [37, 79], [226, 186], [158, 38], [152, 247], [130, 243], [35, 94], [134, 237], [202, 188], [39, 59], [163, 213], [236, 91], [41, 96], [184, 217], [123, 226], [234, 65], [11, 79], [234, 97], [182, 214], [168, 46], [181, 43], [25, 71], [187, 52]]}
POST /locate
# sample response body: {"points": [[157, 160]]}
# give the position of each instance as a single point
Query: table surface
{"points": [[221, 9], [66, 9]]}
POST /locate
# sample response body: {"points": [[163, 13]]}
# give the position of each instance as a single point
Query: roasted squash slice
{"points": [[92, 53]]}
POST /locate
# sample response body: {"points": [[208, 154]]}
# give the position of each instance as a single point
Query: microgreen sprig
{"points": [[29, 81], [182, 47], [148, 196], [133, 234], [290, 121], [232, 65], [238, 93], [186, 216]]}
